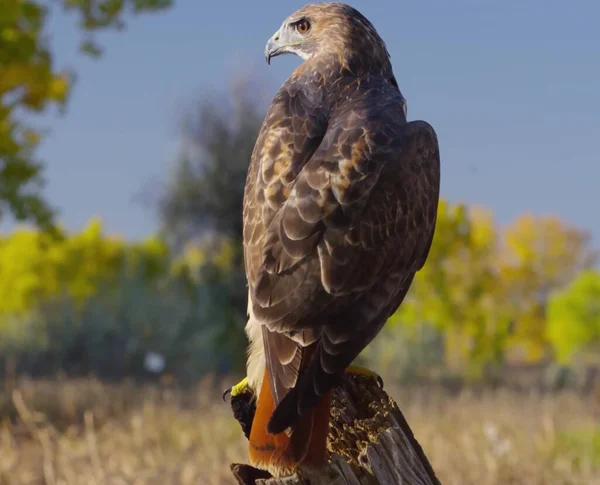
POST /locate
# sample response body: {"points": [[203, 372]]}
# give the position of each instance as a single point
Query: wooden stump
{"points": [[369, 442]]}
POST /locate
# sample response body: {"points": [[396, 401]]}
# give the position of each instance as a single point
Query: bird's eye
{"points": [[303, 27]]}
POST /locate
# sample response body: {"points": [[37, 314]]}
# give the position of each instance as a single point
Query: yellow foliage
{"points": [[456, 289], [31, 81], [537, 257], [59, 87], [222, 253], [487, 290], [34, 267]]}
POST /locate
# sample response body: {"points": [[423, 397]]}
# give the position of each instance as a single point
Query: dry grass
{"points": [[84, 432]]}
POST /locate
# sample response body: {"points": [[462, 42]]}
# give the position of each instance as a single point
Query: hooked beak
{"points": [[273, 47], [281, 43]]}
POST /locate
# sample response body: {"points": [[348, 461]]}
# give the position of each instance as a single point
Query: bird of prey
{"points": [[339, 213]]}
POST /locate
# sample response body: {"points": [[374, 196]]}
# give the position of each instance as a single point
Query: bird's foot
{"points": [[363, 371], [237, 390], [243, 404]]}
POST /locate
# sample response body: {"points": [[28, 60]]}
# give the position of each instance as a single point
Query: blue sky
{"points": [[511, 86]]}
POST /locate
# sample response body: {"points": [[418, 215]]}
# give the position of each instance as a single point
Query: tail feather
{"points": [[282, 452], [316, 454], [313, 385], [263, 445]]}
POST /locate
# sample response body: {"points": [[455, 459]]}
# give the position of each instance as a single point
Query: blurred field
{"points": [[86, 432]]}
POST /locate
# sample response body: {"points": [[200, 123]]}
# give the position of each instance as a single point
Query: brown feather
{"points": [[339, 213]]}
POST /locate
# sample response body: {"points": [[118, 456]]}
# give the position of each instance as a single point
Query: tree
{"points": [[457, 290], [488, 291], [35, 268], [30, 83], [201, 208], [539, 256], [574, 317], [205, 193]]}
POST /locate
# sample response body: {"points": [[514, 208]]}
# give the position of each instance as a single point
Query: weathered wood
{"points": [[370, 442]]}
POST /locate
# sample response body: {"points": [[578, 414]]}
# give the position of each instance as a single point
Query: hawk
{"points": [[339, 213]]}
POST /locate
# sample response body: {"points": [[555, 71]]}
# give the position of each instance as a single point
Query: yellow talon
{"points": [[238, 389], [363, 371]]}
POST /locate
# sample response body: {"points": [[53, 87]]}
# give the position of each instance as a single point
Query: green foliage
{"points": [[213, 267], [574, 317], [35, 267], [200, 211], [30, 82], [88, 302], [538, 257], [406, 353], [487, 290], [91, 303], [95, 15], [110, 333], [456, 289]]}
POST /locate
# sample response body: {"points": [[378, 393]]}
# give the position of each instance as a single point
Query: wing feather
{"points": [[339, 214]]}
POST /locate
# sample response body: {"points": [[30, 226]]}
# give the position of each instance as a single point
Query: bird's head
{"points": [[329, 28]]}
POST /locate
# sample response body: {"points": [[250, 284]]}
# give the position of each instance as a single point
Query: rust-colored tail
{"points": [[282, 453]]}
